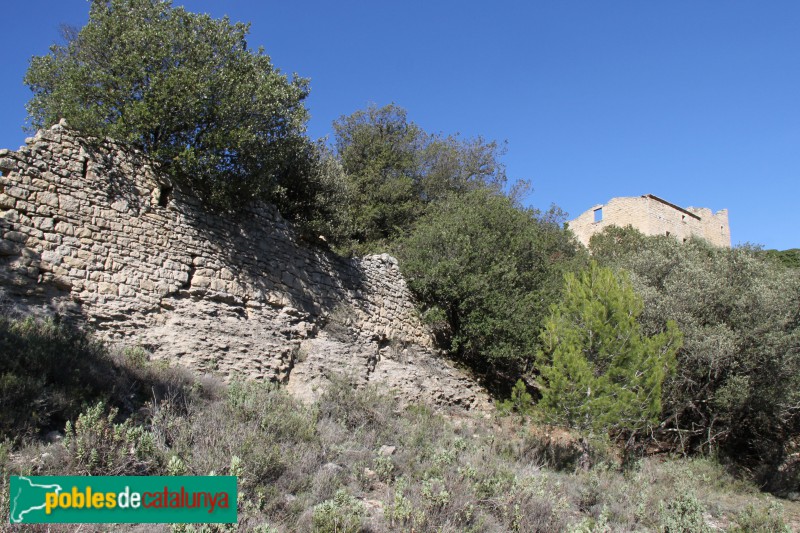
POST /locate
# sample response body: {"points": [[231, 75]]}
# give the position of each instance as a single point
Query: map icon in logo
{"points": [[28, 497]]}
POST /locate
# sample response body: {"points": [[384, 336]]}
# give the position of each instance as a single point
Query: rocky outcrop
{"points": [[90, 231]]}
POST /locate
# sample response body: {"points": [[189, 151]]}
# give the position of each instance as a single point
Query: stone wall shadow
{"points": [[258, 246], [119, 175], [28, 287], [265, 253]]}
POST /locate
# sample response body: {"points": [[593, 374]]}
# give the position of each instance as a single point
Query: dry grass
{"points": [[354, 462]]}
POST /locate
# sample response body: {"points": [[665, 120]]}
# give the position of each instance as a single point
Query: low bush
{"points": [[768, 519], [485, 272], [355, 461], [684, 514], [50, 372], [342, 514], [99, 446]]}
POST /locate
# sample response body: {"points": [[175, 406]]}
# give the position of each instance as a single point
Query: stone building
{"points": [[654, 216]]}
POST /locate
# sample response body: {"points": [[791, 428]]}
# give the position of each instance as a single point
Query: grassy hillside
{"points": [[350, 462]]}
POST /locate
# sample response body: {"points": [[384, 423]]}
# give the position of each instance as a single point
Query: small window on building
{"points": [[683, 218], [598, 214], [667, 234], [722, 230]]}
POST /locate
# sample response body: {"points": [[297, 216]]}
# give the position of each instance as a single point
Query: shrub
{"points": [[787, 258], [271, 410], [737, 377], [36, 393], [342, 514], [355, 410], [491, 270], [50, 372], [684, 515], [100, 447], [767, 519], [400, 511], [521, 401]]}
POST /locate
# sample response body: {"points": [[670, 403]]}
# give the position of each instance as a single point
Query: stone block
{"points": [[53, 238], [125, 290], [7, 202], [15, 236], [44, 223], [201, 282], [120, 206], [7, 248], [52, 257], [47, 198], [107, 288], [17, 192], [69, 204]]}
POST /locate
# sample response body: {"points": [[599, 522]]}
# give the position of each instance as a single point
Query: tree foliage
{"points": [[395, 169], [597, 369], [486, 271], [183, 87], [737, 387], [789, 258]]}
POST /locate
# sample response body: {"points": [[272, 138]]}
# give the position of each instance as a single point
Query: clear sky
{"points": [[695, 101]]}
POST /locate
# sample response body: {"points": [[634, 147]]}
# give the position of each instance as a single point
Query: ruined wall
{"points": [[654, 216], [89, 230]]}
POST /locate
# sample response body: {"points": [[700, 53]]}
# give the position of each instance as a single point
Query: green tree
{"points": [[395, 169], [485, 271], [378, 149], [789, 258], [318, 201], [737, 386], [598, 371], [183, 87]]}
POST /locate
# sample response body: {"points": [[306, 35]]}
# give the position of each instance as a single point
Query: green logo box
{"points": [[122, 499]]}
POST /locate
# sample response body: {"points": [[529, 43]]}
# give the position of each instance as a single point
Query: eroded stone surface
{"points": [[90, 231]]}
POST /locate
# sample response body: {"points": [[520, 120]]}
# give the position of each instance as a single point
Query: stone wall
{"points": [[91, 232], [654, 216]]}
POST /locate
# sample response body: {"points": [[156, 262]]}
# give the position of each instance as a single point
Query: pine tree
{"points": [[598, 370]]}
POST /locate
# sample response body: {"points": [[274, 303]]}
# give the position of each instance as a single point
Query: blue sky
{"points": [[695, 101]]}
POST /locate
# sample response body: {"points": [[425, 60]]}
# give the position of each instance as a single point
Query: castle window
{"points": [[667, 234], [598, 214], [683, 218]]}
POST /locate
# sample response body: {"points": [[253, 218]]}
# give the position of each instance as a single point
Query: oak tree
{"points": [[183, 87]]}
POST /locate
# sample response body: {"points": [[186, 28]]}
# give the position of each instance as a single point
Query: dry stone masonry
{"points": [[654, 216], [90, 231]]}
